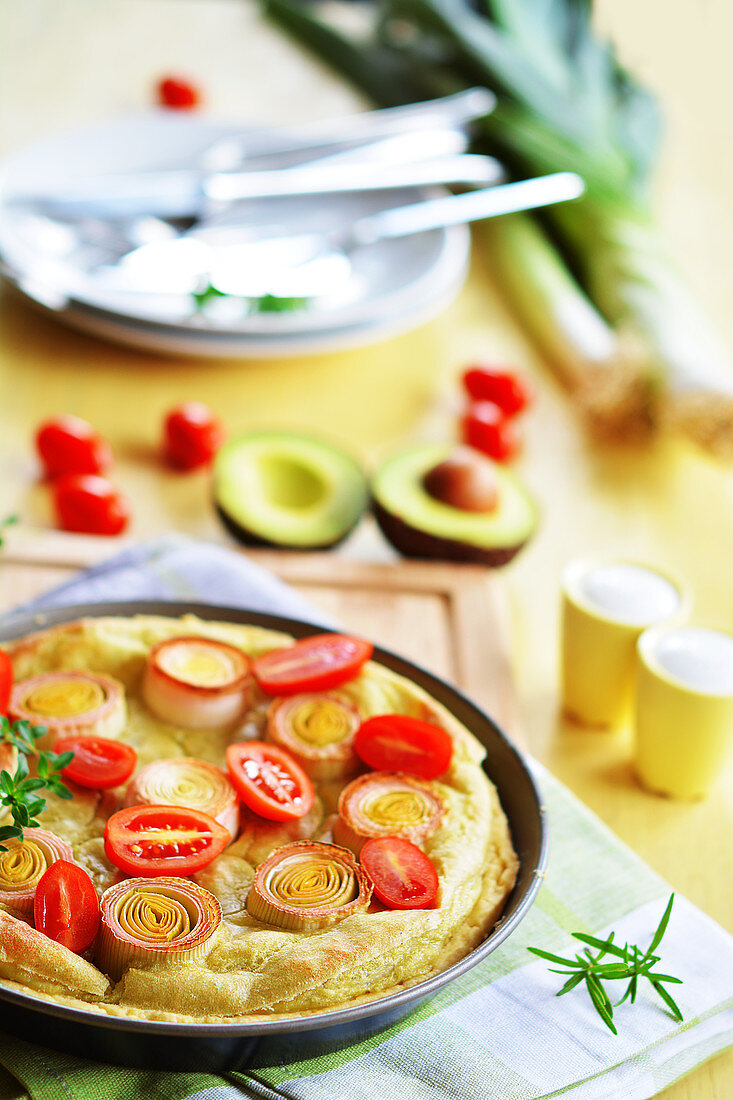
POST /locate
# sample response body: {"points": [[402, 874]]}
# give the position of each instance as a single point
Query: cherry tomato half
{"points": [[6, 681], [99, 762], [89, 504], [511, 391], [397, 743], [486, 428], [191, 435], [163, 840], [269, 781], [69, 445], [177, 92], [318, 663], [402, 875], [66, 907]]}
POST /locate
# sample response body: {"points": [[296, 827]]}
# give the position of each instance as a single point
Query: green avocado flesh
{"points": [[286, 489], [421, 526]]}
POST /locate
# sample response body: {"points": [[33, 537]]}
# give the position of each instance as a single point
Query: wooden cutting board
{"points": [[452, 621]]}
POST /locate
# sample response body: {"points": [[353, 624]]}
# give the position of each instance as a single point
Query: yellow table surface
{"points": [[665, 503]]}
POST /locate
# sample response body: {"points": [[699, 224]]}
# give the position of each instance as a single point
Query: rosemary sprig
{"points": [[18, 792], [633, 963]]}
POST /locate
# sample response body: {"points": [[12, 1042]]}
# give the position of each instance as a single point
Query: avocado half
{"points": [[276, 488], [420, 526]]}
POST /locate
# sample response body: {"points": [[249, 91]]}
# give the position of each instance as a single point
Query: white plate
{"points": [[394, 286]]}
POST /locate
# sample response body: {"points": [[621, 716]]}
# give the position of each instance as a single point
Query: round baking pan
{"points": [[216, 1047]]}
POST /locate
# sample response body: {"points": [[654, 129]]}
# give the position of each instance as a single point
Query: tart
{"points": [[283, 921]]}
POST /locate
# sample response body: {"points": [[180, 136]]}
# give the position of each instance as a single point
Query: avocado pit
{"points": [[464, 480]]}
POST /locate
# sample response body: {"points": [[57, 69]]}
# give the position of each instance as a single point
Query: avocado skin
{"points": [[248, 538], [414, 543]]}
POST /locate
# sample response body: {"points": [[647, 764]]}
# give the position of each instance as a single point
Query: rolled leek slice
{"points": [[318, 730], [25, 862], [307, 886], [183, 781], [67, 703], [384, 804], [154, 922], [197, 683]]}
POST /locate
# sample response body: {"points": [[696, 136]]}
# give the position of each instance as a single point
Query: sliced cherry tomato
{"points": [[6, 681], [397, 743], [90, 504], [511, 391], [402, 875], [191, 435], [486, 428], [318, 663], [66, 907], [69, 445], [269, 781], [177, 92], [163, 840], [99, 762]]}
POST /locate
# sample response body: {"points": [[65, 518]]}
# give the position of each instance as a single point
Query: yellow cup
{"points": [[684, 709], [599, 639]]}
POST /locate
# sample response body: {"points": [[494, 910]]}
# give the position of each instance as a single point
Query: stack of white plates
{"points": [[394, 286]]}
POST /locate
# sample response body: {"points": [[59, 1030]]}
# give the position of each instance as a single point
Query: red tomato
{"points": [[90, 504], [177, 92], [66, 908], [6, 681], [99, 762], [396, 743], [318, 663], [403, 877], [68, 445], [191, 435], [163, 840], [269, 781], [486, 428], [511, 391]]}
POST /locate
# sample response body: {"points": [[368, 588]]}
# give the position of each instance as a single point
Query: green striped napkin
{"points": [[499, 1031]]}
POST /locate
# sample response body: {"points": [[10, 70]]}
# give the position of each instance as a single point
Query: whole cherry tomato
{"points": [[89, 504], [69, 445], [192, 435], [508, 389], [486, 428], [177, 92]]}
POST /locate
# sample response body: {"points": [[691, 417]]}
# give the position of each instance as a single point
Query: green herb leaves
{"points": [[266, 303], [18, 791], [632, 964], [7, 522]]}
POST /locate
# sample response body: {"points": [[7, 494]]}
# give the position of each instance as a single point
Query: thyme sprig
{"points": [[633, 963], [19, 791]]}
